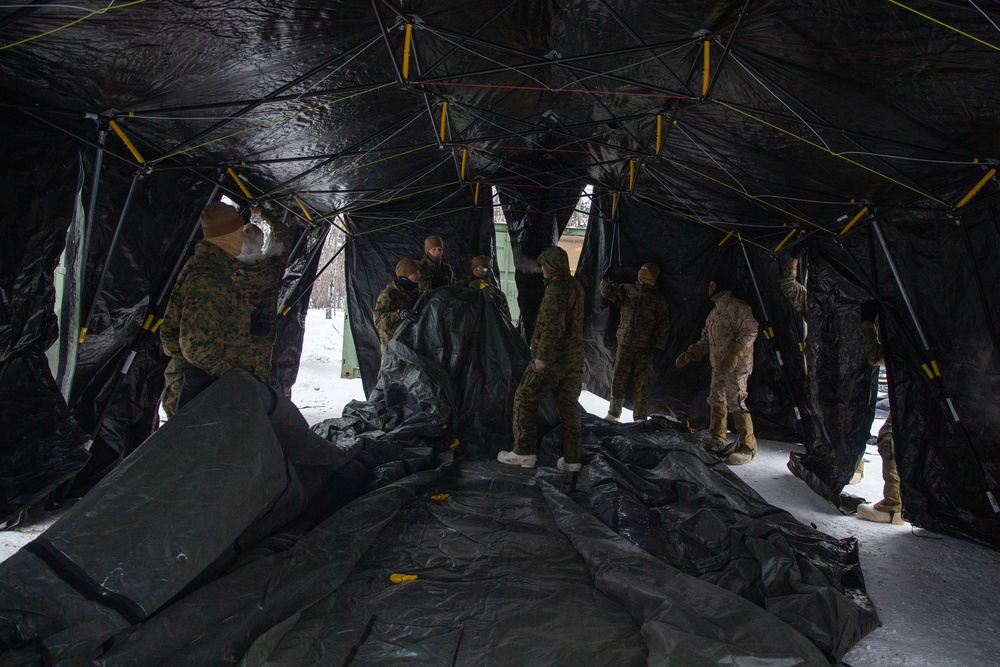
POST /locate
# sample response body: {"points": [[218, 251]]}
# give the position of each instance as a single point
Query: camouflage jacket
{"points": [[434, 273], [259, 280], [795, 291], [644, 317], [495, 293], [558, 337], [873, 344], [731, 321], [392, 300], [207, 322]]}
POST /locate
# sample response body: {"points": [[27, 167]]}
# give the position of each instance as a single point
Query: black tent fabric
{"points": [[266, 544], [861, 135]]}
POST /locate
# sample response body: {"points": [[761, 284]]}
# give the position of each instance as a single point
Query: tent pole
{"points": [[303, 290], [726, 49], [769, 335], [139, 175]]}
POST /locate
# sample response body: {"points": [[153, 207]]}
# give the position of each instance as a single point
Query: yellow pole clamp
{"points": [[659, 132], [475, 195], [631, 174], [148, 322], [239, 182], [398, 578], [976, 188], [128, 142], [305, 211], [786, 240], [726, 237], [455, 444], [614, 203], [707, 70], [444, 118], [83, 334], [407, 42], [848, 226], [932, 370], [156, 326], [284, 310], [465, 159]]}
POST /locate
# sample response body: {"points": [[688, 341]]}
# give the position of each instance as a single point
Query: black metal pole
{"points": [[109, 254], [287, 306], [302, 290]]}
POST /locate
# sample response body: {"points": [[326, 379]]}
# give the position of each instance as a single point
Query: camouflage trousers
{"points": [[635, 364], [891, 498], [729, 391], [536, 385]]}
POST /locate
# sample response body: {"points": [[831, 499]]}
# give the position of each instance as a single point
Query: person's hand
{"points": [[256, 211], [682, 360], [539, 364], [731, 358], [409, 315]]}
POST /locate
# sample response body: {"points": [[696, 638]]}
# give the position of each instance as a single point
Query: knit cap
{"points": [[407, 267], [219, 219], [433, 242]]}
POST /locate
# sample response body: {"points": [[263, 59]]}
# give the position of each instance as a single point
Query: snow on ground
{"points": [[935, 594]]}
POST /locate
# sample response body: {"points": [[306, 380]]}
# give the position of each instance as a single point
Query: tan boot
{"points": [[717, 424], [748, 441]]}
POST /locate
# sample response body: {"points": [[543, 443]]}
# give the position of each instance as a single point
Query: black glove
{"points": [[409, 315]]}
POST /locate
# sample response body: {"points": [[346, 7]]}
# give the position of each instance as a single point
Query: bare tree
{"points": [[330, 289]]}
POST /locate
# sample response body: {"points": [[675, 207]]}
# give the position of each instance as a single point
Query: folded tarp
{"points": [[210, 483]]}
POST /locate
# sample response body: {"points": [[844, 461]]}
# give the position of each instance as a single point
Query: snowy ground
{"points": [[933, 592]]}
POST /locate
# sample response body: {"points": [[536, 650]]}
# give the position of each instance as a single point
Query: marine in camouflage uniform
{"points": [[728, 338], [395, 300], [259, 280], [642, 330], [434, 272], [890, 508], [206, 324], [481, 266], [558, 344]]}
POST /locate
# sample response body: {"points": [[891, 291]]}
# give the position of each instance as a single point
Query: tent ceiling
{"points": [[808, 109]]}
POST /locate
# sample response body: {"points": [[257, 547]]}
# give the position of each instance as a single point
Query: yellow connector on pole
{"points": [[398, 578], [707, 70], [631, 174], [726, 237], [614, 203], [305, 211], [128, 142], [979, 186], [156, 326], [475, 195], [928, 371], [934, 367], [659, 132], [440, 496], [848, 226], [148, 322], [407, 42], [239, 182], [444, 117], [285, 310], [786, 240], [83, 334], [465, 158]]}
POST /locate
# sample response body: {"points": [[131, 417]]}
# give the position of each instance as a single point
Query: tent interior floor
{"points": [[928, 587]]}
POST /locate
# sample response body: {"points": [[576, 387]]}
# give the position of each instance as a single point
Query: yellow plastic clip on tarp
{"points": [[704, 82], [444, 118], [440, 496], [148, 322], [128, 142], [928, 371], [398, 578], [976, 188], [786, 240], [771, 329], [726, 237], [305, 211], [83, 334], [239, 182], [407, 41], [848, 226]]}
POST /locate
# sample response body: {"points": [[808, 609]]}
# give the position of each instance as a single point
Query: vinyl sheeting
{"points": [[858, 136], [236, 535]]}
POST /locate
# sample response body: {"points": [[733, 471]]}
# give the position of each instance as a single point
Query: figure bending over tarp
{"points": [[234, 535]]}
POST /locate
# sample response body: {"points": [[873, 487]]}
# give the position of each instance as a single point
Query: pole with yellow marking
{"points": [[659, 132], [706, 70], [976, 188], [239, 182], [407, 44], [850, 224], [301, 290], [128, 142], [444, 119]]}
